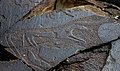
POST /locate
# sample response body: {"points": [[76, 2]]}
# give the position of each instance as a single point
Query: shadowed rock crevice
{"points": [[5, 55], [85, 55], [116, 2]]}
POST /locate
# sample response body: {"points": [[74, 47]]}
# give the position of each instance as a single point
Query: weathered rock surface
{"points": [[16, 65], [44, 41], [44, 46], [113, 61]]}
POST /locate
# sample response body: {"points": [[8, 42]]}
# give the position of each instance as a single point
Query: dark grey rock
{"points": [[13, 10], [113, 61], [44, 41], [45, 46], [91, 60], [109, 31], [15, 65]]}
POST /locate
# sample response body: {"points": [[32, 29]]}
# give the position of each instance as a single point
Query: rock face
{"points": [[113, 61], [13, 66], [106, 33], [61, 40]]}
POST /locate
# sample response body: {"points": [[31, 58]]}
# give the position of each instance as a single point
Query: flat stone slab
{"points": [[44, 41], [44, 46]]}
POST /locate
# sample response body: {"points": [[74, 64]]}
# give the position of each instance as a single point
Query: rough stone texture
{"points": [[16, 65], [109, 31], [113, 61], [90, 60], [45, 46], [44, 41], [12, 10], [106, 33]]}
